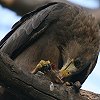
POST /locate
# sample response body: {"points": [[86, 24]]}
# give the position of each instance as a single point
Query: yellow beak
{"points": [[68, 69]]}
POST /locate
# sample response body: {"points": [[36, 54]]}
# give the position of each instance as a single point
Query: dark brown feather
{"points": [[56, 32]]}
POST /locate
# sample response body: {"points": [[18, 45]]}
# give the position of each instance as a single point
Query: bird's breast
{"points": [[44, 49]]}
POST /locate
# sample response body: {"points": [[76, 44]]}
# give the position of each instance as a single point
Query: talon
{"points": [[68, 83], [42, 66], [77, 85]]}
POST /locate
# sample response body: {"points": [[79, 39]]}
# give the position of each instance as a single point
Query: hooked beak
{"points": [[68, 69]]}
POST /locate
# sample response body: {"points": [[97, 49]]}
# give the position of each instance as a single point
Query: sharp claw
{"points": [[77, 85], [40, 65], [34, 71], [68, 83]]}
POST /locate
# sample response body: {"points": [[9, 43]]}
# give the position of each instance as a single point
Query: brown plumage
{"points": [[59, 33]]}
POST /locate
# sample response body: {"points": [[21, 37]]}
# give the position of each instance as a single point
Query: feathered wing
{"points": [[28, 29]]}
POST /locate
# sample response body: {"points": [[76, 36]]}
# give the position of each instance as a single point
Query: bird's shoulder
{"points": [[31, 14]]}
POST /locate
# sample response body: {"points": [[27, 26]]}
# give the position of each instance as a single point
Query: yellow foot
{"points": [[46, 68], [42, 66]]}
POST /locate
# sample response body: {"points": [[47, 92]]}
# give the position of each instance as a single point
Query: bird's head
{"points": [[80, 43], [77, 63]]}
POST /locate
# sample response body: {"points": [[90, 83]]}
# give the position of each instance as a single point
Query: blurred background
{"points": [[12, 10]]}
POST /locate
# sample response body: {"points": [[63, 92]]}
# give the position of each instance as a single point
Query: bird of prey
{"points": [[64, 34]]}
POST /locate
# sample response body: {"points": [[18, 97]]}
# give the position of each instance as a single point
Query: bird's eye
{"points": [[77, 63]]}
